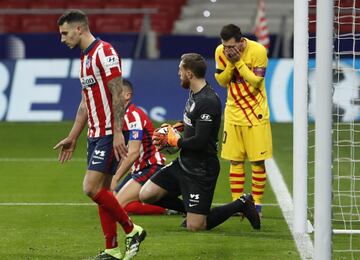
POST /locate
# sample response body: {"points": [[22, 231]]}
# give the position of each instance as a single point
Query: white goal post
{"points": [[326, 158]]}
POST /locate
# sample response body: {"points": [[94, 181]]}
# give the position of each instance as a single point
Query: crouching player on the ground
{"points": [[143, 160], [194, 173]]}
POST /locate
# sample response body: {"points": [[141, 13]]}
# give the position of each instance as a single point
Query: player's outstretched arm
{"points": [[68, 144]]}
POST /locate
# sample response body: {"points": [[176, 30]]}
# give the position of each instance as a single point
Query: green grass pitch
{"points": [[65, 225]]}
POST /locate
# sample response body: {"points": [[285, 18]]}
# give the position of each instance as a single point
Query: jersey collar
{"points": [[88, 49]]}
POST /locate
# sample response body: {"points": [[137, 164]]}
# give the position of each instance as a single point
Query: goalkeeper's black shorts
{"points": [[197, 190]]}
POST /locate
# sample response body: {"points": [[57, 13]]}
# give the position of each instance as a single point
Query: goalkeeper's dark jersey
{"points": [[202, 118]]}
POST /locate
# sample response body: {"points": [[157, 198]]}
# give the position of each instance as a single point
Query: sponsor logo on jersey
{"points": [[111, 61], [206, 117], [87, 81], [133, 125]]}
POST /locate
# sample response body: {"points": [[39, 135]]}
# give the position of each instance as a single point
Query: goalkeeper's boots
{"points": [[249, 210], [109, 254], [133, 240]]}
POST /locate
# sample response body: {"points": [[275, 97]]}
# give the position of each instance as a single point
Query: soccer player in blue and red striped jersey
{"points": [[143, 160], [102, 108]]}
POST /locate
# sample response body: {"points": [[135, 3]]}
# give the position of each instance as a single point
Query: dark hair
{"points": [[128, 85], [195, 63], [231, 31], [73, 16]]}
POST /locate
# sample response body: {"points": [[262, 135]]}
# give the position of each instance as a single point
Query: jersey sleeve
{"points": [[109, 62], [135, 127], [255, 76], [224, 69]]}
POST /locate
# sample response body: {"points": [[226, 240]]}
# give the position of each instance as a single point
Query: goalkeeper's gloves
{"points": [[172, 137], [178, 126], [168, 138]]}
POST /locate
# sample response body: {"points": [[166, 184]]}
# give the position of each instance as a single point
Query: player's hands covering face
{"points": [[233, 54]]}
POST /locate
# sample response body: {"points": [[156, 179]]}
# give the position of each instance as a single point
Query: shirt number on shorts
{"points": [[224, 137]]}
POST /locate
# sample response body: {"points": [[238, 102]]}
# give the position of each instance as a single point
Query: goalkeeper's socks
{"points": [[258, 182], [237, 180], [170, 202], [219, 214]]}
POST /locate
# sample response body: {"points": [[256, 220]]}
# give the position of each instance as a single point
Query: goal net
{"points": [[345, 206]]}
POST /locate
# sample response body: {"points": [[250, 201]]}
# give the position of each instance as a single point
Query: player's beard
{"points": [[185, 83]]}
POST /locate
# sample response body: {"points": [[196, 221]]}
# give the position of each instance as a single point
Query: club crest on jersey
{"points": [[87, 81], [135, 135], [88, 62], [187, 120]]}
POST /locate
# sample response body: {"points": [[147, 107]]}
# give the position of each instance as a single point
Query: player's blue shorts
{"points": [[100, 155], [140, 176]]}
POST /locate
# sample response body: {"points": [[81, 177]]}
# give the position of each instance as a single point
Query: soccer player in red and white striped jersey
{"points": [[102, 108], [143, 160]]}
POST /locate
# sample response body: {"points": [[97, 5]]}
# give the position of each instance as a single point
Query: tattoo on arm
{"points": [[81, 114], [118, 102]]}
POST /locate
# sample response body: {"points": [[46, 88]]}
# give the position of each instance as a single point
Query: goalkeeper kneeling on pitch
{"points": [[193, 174]]}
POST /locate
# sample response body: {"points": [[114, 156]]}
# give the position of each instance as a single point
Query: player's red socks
{"points": [[139, 208], [108, 224], [107, 200]]}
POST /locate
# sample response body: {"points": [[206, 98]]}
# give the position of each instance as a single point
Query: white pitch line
{"points": [[52, 159], [79, 204], [303, 241], [46, 204]]}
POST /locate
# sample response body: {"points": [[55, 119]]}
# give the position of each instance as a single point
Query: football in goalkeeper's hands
{"points": [[167, 148]]}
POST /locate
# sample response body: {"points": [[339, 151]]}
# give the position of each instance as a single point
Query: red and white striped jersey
{"points": [[138, 126], [99, 64]]}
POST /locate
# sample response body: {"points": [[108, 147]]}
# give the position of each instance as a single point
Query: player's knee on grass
{"points": [[195, 225], [195, 222]]}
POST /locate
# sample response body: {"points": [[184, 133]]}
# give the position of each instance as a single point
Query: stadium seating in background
{"points": [[161, 22], [113, 23], [39, 23], [60, 4], [14, 4], [201, 17], [123, 4], [9, 23]]}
